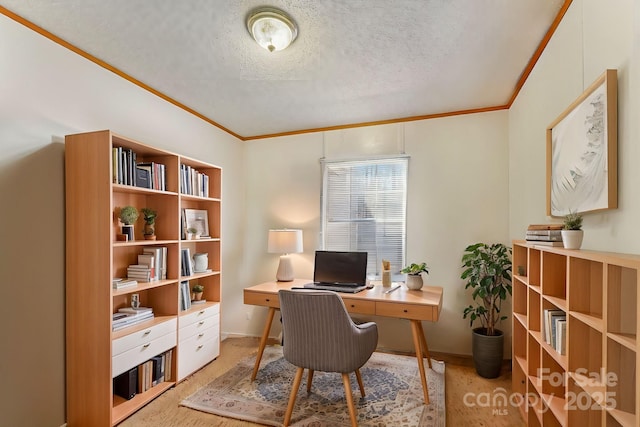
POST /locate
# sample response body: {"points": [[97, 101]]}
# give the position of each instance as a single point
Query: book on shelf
{"points": [[158, 369], [168, 356], [143, 177], [546, 243], [548, 319], [160, 256], [545, 227], [132, 310], [544, 232], [557, 238], [130, 319], [149, 260], [186, 269], [185, 296], [124, 283], [561, 336]]}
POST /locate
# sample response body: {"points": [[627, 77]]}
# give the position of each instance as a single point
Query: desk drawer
{"points": [[406, 311], [359, 305], [261, 298]]}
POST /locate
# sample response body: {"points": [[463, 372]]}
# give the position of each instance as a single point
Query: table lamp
{"points": [[285, 242]]}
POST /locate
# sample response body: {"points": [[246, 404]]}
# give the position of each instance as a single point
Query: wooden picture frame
{"points": [[198, 219], [582, 152]]}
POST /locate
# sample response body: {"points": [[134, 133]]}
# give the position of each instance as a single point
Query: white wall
{"points": [[457, 195], [593, 36], [47, 92]]}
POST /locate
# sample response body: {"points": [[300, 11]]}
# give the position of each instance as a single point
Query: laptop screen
{"points": [[335, 267]]}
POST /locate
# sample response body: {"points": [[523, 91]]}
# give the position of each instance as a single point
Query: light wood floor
{"points": [[460, 379]]}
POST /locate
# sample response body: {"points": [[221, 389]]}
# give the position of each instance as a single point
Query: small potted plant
{"points": [[572, 232], [414, 275], [128, 216], [197, 292], [149, 223], [191, 233], [487, 270]]}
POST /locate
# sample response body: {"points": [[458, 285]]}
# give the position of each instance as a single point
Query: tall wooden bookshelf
{"points": [[94, 256], [595, 383]]}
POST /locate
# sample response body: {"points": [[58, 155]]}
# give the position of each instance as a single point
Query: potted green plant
{"points": [[128, 215], [197, 291], [487, 270], [149, 223], [572, 232], [191, 233], [414, 275]]}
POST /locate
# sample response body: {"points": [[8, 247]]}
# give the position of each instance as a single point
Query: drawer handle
{"points": [[147, 332], [146, 345], [405, 310], [201, 312], [199, 347], [352, 305], [267, 300], [200, 335], [201, 322]]}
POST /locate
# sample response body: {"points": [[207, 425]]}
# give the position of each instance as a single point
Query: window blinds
{"points": [[364, 209]]}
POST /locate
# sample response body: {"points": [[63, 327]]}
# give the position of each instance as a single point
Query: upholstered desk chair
{"points": [[319, 335]]}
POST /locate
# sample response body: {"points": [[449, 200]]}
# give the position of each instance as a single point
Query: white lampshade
{"points": [[285, 242]]}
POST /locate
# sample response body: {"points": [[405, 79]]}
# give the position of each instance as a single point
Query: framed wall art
{"points": [[582, 152]]}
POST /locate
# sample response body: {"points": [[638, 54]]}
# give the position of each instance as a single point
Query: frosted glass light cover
{"points": [[272, 29]]}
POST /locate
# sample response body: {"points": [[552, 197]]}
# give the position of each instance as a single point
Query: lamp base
{"points": [[285, 269]]}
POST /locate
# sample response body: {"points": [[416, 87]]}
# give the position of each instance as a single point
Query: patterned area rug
{"points": [[391, 382]]}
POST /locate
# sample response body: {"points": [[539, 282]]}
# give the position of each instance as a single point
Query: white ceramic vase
{"points": [[572, 239], [414, 281]]}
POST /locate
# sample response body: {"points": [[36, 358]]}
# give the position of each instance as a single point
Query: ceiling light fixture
{"points": [[272, 28]]}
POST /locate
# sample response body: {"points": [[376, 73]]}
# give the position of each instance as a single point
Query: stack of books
{"points": [[119, 283], [554, 324], [129, 316], [545, 234], [141, 272]]}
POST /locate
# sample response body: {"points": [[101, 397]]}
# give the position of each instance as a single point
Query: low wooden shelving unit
{"points": [[595, 383]]}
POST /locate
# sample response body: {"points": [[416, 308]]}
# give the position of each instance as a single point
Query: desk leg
{"points": [[423, 338], [417, 343], [263, 341]]}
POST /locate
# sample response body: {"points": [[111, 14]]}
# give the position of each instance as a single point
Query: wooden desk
{"points": [[402, 303]]}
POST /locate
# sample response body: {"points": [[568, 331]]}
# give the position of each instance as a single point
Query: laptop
{"points": [[339, 271]]}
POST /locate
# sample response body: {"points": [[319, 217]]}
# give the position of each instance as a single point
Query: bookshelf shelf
{"points": [[598, 293], [105, 172]]}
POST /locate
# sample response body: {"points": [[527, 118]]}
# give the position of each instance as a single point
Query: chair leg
{"points": [[347, 393], [309, 380], [359, 378], [292, 396]]}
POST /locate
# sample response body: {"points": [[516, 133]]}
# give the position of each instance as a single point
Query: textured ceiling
{"points": [[354, 61]]}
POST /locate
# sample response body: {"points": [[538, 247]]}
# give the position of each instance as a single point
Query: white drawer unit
{"points": [[134, 339], [199, 337], [197, 351], [141, 353]]}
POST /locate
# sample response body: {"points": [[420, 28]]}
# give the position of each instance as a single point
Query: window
{"points": [[364, 207]]}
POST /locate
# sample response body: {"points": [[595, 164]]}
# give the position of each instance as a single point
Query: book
{"points": [[132, 310], [545, 227], [557, 238], [547, 322], [149, 260], [544, 232], [561, 336], [124, 283], [143, 177], [168, 356], [159, 254], [546, 243]]}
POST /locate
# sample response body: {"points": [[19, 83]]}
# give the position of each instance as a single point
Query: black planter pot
{"points": [[487, 352]]}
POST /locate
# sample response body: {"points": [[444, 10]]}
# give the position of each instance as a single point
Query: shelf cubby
{"points": [[166, 206], [554, 275], [533, 270], [534, 313], [588, 343], [519, 297], [585, 286], [622, 294], [622, 384], [582, 408]]}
